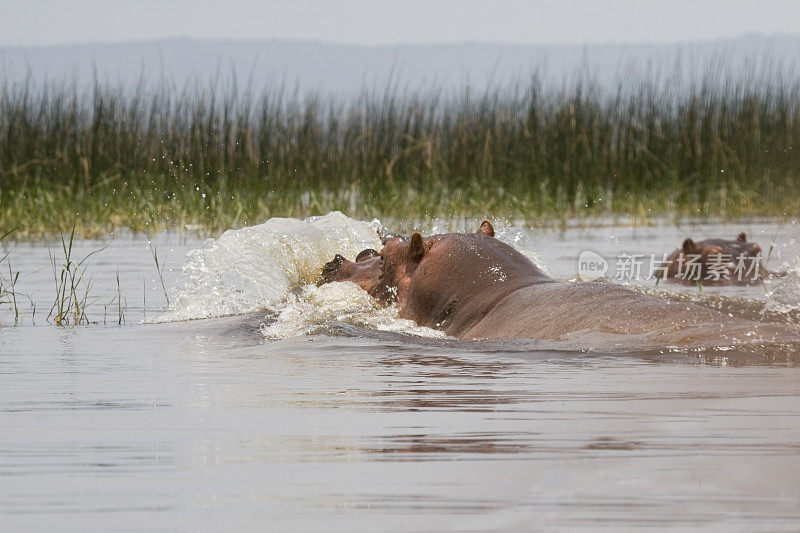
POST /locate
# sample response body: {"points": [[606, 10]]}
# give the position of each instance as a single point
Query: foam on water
{"points": [[785, 295], [253, 268], [313, 309]]}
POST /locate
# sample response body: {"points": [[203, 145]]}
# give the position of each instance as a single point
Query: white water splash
{"points": [[248, 269], [316, 307], [522, 240], [785, 294]]}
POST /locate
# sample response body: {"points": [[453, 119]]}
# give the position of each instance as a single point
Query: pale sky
{"points": [[372, 22]]}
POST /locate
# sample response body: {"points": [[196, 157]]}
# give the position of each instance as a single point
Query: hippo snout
{"points": [[330, 269], [364, 272]]}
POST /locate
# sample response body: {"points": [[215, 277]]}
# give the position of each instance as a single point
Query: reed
{"points": [[154, 251], [8, 293], [72, 285], [121, 305], [218, 156]]}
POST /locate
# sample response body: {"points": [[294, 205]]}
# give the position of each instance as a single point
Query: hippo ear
{"points": [[689, 247], [486, 229], [742, 237], [416, 249]]}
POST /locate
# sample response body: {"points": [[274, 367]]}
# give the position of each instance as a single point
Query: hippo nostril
{"points": [[337, 259]]}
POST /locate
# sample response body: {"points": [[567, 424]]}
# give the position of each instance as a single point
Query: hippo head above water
{"points": [[716, 261], [387, 275], [434, 279], [364, 272]]}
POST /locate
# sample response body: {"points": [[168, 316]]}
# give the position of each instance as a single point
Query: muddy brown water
{"points": [[221, 423]]}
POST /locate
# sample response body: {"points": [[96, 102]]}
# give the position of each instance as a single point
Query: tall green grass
{"points": [[219, 155]]}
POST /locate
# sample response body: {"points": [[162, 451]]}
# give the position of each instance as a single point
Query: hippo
{"points": [[473, 286], [716, 262], [363, 271]]}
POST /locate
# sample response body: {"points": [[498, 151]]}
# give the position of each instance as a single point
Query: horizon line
{"points": [[344, 44]]}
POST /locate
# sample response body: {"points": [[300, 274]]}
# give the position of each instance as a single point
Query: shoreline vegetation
{"points": [[217, 156]]}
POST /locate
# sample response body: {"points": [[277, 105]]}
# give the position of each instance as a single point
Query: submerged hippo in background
{"points": [[474, 286], [717, 262]]}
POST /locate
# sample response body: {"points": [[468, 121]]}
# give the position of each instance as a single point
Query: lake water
{"points": [[313, 409]]}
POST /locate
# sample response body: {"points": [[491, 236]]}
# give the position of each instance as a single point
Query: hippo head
{"points": [[400, 259], [735, 249], [364, 271], [714, 259], [386, 275]]}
